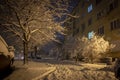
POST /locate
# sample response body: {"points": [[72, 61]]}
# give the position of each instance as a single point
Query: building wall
{"points": [[103, 14]]}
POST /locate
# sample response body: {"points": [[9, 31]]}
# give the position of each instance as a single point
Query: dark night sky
{"points": [[73, 4]]}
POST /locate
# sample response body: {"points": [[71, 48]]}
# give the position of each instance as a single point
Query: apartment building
{"points": [[99, 16]]}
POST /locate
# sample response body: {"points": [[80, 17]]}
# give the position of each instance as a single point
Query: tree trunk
{"points": [[92, 59], [35, 49], [25, 44]]}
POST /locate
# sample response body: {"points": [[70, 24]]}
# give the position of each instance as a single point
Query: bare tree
{"points": [[33, 20]]}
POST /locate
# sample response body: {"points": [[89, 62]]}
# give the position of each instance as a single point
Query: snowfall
{"points": [[49, 69]]}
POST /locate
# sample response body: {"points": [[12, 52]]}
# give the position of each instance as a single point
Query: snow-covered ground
{"points": [[60, 70]]}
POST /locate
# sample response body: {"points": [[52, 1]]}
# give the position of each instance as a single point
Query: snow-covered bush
{"points": [[91, 49], [94, 48]]}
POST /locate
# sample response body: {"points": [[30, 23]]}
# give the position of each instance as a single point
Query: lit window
{"points": [[90, 35], [90, 7]]}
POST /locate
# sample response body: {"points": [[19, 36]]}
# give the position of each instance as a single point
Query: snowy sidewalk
{"points": [[64, 70]]}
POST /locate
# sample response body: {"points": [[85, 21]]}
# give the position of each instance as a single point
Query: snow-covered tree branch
{"points": [[33, 19]]}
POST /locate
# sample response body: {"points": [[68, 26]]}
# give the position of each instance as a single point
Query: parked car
{"points": [[6, 55]]}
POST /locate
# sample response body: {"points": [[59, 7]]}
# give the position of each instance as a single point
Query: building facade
{"points": [[99, 16]]}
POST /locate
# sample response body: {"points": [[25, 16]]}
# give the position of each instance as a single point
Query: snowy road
{"points": [[65, 70]]}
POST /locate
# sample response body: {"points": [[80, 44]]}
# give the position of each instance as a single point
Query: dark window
{"points": [[90, 21], [111, 26], [113, 5], [74, 24], [73, 33], [115, 24], [98, 1], [87, 0], [83, 15], [116, 3], [100, 14], [101, 30], [83, 27], [77, 30], [83, 3]]}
